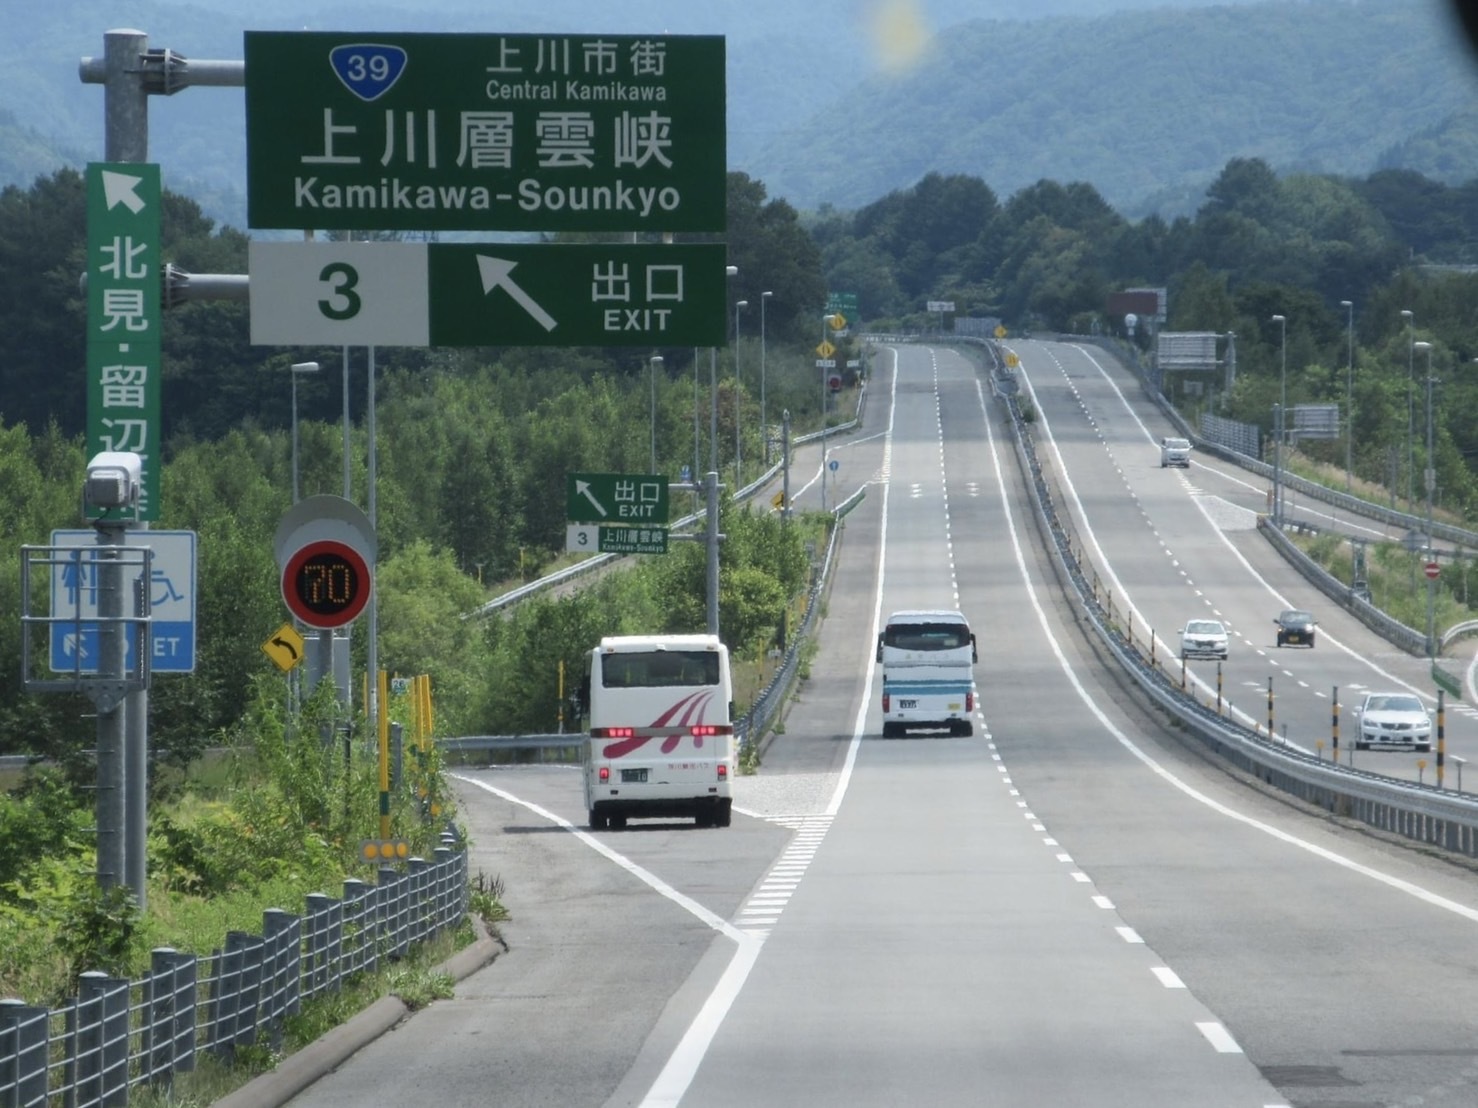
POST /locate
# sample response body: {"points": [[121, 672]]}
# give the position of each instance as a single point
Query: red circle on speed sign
{"points": [[1432, 571], [326, 583]]}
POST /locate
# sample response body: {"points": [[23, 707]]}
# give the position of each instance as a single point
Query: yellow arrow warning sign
{"points": [[285, 647], [825, 350]]}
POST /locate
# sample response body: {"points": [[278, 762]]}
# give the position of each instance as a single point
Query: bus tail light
{"points": [[970, 701], [723, 772], [886, 700], [613, 732], [605, 774]]}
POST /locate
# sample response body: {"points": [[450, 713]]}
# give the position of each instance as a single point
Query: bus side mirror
{"points": [[974, 653], [880, 648]]}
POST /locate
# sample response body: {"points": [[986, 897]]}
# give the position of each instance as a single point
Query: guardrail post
{"points": [[1334, 722], [1271, 733]]}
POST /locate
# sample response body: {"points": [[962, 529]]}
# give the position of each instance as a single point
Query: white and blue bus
{"points": [[661, 738], [928, 679]]}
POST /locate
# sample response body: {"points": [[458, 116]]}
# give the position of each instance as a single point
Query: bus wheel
{"points": [[597, 820], [618, 822], [725, 813], [890, 730]]}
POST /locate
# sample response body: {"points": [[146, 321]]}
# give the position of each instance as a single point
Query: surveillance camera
{"points": [[114, 479]]}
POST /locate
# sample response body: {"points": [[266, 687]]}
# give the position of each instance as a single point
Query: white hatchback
{"points": [[1203, 638], [1393, 719]]}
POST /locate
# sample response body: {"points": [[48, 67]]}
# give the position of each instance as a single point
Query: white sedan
{"points": [[1393, 719], [1203, 638]]}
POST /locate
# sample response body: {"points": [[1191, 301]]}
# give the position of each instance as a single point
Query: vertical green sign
{"points": [[124, 317]]}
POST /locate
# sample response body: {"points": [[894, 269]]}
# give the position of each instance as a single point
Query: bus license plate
{"points": [[634, 776], [908, 703]]}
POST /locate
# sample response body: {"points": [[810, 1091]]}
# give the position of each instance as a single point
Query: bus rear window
{"points": [[659, 669], [926, 636]]}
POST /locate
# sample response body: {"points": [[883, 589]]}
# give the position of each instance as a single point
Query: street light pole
{"points": [[1349, 307], [656, 361], [738, 457], [1280, 416], [764, 425], [1430, 480], [729, 271], [1410, 318], [298, 367]]}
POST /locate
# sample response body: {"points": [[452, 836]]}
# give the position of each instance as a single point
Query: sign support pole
{"points": [[125, 139], [112, 723], [711, 492]]}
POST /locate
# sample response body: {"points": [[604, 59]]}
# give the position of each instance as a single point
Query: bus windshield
{"points": [[659, 669], [926, 636]]}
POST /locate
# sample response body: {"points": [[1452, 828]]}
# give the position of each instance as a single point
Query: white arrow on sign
{"points": [[119, 188], [72, 644], [495, 272], [582, 488]]}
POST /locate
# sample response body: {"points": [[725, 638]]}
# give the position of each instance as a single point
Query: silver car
{"points": [[1390, 719], [1203, 638]]}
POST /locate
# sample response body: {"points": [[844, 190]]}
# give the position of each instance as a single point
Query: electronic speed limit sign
{"points": [[326, 551], [326, 584]]}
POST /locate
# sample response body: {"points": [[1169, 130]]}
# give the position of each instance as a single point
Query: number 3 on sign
{"points": [[342, 301], [583, 538], [339, 294]]}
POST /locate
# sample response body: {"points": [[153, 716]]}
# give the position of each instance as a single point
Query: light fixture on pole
{"points": [[764, 426], [1410, 318], [298, 367], [1429, 479], [1349, 307], [738, 459], [656, 361], [1278, 419]]}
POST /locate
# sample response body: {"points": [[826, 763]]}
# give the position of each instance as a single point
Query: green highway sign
{"points": [[578, 294], [489, 294], [598, 538], [626, 498], [124, 317], [352, 131], [843, 304]]}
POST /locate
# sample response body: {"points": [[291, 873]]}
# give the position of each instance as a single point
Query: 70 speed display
{"points": [[326, 584]]}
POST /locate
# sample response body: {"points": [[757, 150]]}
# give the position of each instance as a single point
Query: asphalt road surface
{"points": [[1071, 907]]}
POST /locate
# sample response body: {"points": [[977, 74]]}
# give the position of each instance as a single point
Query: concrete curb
{"points": [[299, 1070]]}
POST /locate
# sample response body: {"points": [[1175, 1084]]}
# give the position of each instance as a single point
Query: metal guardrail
{"points": [[116, 1034], [569, 573], [1423, 813], [762, 713]]}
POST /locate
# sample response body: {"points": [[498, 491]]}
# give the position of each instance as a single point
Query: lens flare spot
{"points": [[898, 33]]}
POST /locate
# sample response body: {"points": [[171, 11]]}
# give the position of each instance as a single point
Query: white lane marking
{"points": [[1219, 1037], [1129, 935], [1108, 570], [1168, 977], [684, 901], [1104, 902], [677, 1074], [1413, 890]]}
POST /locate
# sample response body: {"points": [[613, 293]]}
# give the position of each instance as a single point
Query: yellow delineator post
{"points": [[382, 727]]}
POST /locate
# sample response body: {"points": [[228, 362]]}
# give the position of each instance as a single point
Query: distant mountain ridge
{"points": [[1147, 105]]}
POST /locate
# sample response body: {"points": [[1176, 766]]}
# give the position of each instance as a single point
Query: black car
{"points": [[1295, 626]]}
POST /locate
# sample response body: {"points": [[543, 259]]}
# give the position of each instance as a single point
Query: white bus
{"points": [[928, 681], [661, 738]]}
